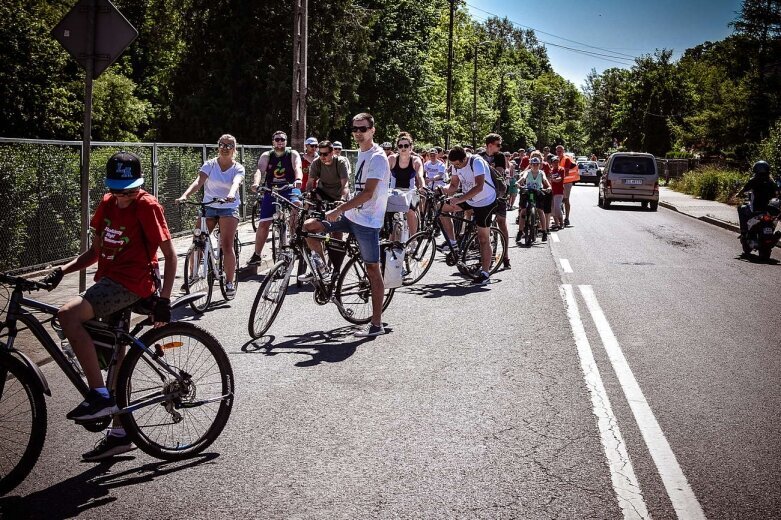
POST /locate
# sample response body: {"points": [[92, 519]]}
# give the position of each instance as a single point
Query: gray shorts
{"points": [[107, 297]]}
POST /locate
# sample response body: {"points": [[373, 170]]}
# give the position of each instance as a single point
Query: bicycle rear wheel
{"points": [[268, 301], [198, 276], [255, 215], [470, 257], [353, 291], [420, 252], [185, 425], [22, 422]]}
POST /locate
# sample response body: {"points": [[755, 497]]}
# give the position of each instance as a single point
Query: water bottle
{"points": [[318, 264]]}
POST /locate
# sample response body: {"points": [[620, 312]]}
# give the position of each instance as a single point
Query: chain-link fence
{"points": [[40, 195]]}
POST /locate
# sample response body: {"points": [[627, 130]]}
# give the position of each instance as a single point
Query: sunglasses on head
{"points": [[403, 145], [280, 139], [226, 146], [360, 129], [123, 193]]}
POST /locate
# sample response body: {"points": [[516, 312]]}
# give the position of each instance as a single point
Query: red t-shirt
{"points": [[524, 163], [129, 238], [305, 170], [557, 188]]}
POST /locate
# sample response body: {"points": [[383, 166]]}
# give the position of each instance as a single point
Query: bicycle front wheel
{"points": [[200, 403], [420, 252], [269, 300], [471, 258], [353, 291], [199, 276], [22, 422]]}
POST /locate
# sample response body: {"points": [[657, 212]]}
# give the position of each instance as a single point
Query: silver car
{"points": [[630, 177], [589, 172]]}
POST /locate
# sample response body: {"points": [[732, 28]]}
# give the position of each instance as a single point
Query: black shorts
{"points": [[501, 208], [547, 202], [482, 215], [540, 201]]}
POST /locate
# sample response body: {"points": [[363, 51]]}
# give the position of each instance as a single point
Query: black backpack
{"points": [[499, 184]]}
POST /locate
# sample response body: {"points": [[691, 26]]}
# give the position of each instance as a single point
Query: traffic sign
{"points": [[113, 34]]}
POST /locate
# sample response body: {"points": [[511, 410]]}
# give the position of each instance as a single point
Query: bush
{"points": [[711, 183], [770, 150], [678, 155]]}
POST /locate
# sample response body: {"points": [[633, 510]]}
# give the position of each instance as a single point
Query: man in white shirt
{"points": [[470, 172], [363, 215]]}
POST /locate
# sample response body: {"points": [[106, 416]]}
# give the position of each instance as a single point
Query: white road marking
{"points": [[565, 265], [681, 495], [622, 473], [555, 237]]}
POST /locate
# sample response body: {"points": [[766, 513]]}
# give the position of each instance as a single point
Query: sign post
{"points": [[95, 33]]}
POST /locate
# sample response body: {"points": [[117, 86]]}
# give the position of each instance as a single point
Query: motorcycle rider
{"points": [[762, 187]]}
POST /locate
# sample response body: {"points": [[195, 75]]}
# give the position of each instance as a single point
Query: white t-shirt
{"points": [[219, 182], [432, 170], [371, 164], [466, 176]]}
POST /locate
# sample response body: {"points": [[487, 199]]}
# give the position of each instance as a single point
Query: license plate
{"points": [[633, 181]]}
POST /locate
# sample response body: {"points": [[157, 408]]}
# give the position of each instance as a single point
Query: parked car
{"points": [[630, 177], [589, 172], [582, 158], [601, 163]]}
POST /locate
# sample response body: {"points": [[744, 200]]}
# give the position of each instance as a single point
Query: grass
{"points": [[711, 183]]}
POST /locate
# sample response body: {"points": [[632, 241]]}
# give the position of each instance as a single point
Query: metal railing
{"points": [[40, 201]]}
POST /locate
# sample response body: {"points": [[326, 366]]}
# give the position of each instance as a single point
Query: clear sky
{"points": [[622, 29]]}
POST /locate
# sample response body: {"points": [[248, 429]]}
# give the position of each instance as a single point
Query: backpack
{"points": [[499, 184]]}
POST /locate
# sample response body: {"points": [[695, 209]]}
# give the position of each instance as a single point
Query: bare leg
{"points": [[228, 227], [484, 237], [378, 292], [261, 235], [72, 316]]}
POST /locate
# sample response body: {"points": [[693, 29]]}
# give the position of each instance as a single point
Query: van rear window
{"points": [[634, 166]]}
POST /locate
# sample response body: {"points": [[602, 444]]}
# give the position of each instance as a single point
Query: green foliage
{"points": [[711, 183], [678, 155], [770, 150]]}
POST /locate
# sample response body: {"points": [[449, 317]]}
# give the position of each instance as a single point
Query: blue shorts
{"points": [[267, 208], [212, 212], [368, 238]]}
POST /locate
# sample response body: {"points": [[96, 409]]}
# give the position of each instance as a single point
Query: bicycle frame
{"points": [[202, 237]]}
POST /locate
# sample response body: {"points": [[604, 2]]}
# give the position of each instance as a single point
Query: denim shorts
{"points": [[368, 238], [222, 212], [267, 207]]}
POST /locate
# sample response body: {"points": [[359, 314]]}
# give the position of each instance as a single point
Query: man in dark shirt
{"points": [[494, 157], [763, 189]]}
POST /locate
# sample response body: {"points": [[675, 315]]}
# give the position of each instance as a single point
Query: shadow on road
{"points": [[446, 289], [322, 346], [754, 259], [91, 488]]}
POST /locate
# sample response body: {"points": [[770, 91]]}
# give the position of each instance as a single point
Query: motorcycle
{"points": [[761, 235]]}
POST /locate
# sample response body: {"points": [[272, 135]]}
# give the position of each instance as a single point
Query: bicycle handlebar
{"points": [[204, 204], [23, 284]]}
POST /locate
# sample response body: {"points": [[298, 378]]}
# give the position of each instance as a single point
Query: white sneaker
{"points": [[230, 290], [306, 277]]}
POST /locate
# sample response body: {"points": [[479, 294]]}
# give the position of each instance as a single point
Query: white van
{"points": [[630, 177]]}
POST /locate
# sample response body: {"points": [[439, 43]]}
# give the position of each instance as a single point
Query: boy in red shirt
{"points": [[557, 190], [128, 227]]}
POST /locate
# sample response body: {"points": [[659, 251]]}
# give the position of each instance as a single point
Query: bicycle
{"points": [[350, 291], [202, 265], [421, 247], [531, 220], [174, 387]]}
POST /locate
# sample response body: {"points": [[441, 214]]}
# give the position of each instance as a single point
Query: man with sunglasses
{"points": [[278, 167], [387, 148], [128, 227], [329, 174], [495, 158], [363, 215], [338, 155], [308, 157]]}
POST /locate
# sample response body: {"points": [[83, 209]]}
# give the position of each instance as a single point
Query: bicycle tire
{"points": [[278, 239], [237, 252], [210, 381], [21, 400], [255, 215], [470, 257], [353, 292], [421, 250], [268, 300], [203, 282]]}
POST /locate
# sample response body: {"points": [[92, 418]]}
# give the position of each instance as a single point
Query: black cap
{"points": [[123, 171]]}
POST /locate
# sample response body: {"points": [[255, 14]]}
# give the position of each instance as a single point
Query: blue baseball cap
{"points": [[123, 171]]}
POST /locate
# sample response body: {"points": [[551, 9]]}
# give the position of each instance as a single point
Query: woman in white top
{"points": [[221, 178], [534, 179]]}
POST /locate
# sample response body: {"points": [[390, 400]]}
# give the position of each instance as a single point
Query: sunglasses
{"points": [[360, 129], [312, 145], [280, 139], [324, 153], [123, 193], [226, 146]]}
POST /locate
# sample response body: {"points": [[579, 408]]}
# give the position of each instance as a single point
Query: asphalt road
{"points": [[484, 402]]}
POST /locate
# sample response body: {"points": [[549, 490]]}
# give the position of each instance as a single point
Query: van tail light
{"points": [[656, 186]]}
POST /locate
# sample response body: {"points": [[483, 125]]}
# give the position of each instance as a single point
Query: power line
{"points": [[618, 55]]}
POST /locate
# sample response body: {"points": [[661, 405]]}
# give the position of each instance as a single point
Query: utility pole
{"points": [[86, 146], [449, 75], [300, 43]]}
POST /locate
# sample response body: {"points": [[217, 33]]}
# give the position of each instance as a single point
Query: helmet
{"points": [[774, 207], [761, 168]]}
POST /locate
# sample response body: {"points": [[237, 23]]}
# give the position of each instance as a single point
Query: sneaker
{"points": [[94, 406], [306, 277], [370, 331], [481, 279], [506, 263], [109, 446], [566, 222], [230, 290], [544, 236], [254, 259]]}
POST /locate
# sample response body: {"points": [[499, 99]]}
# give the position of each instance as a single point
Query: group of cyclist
{"points": [[129, 225]]}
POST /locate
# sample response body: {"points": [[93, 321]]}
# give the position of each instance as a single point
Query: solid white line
{"points": [[565, 265], [622, 473], [681, 495], [555, 237]]}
